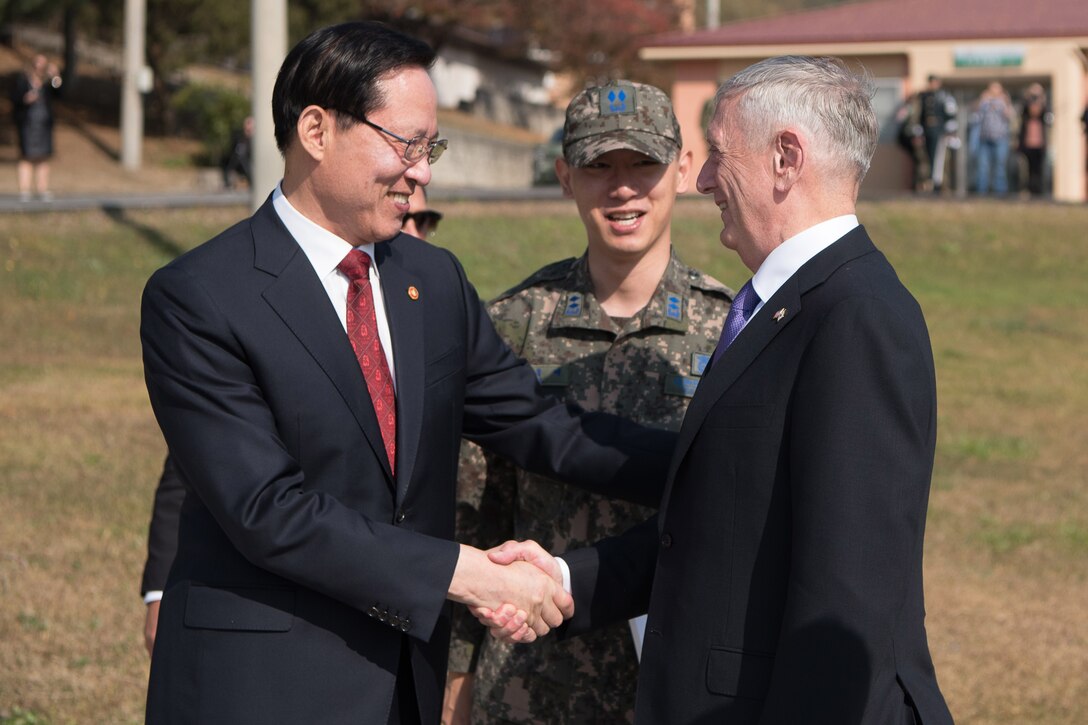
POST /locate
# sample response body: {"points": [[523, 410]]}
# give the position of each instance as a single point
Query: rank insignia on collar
{"points": [[780, 315], [674, 308]]}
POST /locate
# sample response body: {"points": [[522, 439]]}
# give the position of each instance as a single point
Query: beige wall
{"points": [[695, 82]]}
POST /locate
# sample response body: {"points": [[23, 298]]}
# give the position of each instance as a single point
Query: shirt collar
{"points": [[667, 308], [789, 256], [324, 249]]}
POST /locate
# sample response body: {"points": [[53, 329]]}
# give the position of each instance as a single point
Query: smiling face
{"points": [[741, 180], [625, 199], [360, 183], [417, 202]]}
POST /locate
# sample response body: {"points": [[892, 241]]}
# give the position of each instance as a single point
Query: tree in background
{"points": [[732, 10], [591, 41]]}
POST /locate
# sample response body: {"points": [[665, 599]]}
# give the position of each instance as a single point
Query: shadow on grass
{"points": [[86, 132], [154, 237]]}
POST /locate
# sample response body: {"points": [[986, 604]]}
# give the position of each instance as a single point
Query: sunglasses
{"points": [[426, 221]]}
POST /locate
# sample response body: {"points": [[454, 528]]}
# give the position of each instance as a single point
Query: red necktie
{"points": [[363, 333]]}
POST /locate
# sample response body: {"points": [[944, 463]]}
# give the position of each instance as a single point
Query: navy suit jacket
{"points": [[783, 573], [302, 564]]}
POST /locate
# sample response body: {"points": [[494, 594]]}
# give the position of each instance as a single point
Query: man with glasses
{"points": [[162, 534], [313, 370]]}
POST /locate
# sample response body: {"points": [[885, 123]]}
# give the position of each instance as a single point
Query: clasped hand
{"points": [[516, 590]]}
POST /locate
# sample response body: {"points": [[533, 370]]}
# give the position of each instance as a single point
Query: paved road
{"points": [[65, 202]]}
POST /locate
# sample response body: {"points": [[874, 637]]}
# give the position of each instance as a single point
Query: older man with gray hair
{"points": [[783, 572]]}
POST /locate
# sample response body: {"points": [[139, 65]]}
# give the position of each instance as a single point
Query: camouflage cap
{"points": [[620, 115]]}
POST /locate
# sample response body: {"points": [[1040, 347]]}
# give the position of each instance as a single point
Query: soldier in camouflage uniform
{"points": [[627, 328]]}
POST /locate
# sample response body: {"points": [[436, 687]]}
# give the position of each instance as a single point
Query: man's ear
{"points": [[683, 168], [789, 158], [313, 131], [562, 172]]}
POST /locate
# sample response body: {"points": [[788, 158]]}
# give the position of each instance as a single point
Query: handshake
{"points": [[516, 589]]}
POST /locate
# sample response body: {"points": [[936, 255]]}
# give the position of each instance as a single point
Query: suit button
{"points": [[372, 612], [404, 625], [400, 517], [666, 540]]}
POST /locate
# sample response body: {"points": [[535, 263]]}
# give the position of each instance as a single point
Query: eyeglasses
{"points": [[414, 148], [426, 221]]}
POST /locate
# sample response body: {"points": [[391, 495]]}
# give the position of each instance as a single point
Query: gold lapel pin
{"points": [[779, 315], [413, 293]]}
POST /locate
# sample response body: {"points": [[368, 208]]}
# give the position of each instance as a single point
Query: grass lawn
{"points": [[1002, 286]]}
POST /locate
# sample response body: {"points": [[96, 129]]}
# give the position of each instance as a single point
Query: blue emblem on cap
{"points": [[574, 306], [617, 99], [673, 308]]}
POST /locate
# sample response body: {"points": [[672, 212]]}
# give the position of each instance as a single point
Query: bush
{"points": [[212, 114]]}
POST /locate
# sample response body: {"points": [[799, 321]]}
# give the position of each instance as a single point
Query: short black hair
{"points": [[337, 67]]}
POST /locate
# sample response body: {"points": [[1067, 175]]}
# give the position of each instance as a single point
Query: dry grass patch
{"points": [[1002, 288]]}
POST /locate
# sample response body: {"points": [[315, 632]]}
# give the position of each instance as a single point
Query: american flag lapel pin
{"points": [[780, 315]]}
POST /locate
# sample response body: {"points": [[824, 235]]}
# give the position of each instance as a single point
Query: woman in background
{"points": [[33, 106]]}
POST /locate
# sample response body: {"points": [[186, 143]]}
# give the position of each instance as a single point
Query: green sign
{"points": [[989, 56]]}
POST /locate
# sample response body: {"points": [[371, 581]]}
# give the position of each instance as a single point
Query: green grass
{"points": [[1003, 291]]}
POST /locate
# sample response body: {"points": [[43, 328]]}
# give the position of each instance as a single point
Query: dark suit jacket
{"points": [[162, 533], [293, 528], [783, 575]]}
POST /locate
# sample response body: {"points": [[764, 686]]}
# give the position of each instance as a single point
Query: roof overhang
{"points": [[728, 52]]}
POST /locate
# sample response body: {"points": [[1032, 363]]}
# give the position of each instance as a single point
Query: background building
{"points": [[967, 43]]}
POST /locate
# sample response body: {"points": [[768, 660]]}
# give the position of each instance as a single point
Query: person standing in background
{"points": [[627, 328], [1035, 118], [1084, 122], [421, 221], [910, 138], [938, 114], [237, 161], [994, 113], [32, 102]]}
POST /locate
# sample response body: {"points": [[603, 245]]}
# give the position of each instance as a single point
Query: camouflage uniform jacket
{"points": [[644, 368]]}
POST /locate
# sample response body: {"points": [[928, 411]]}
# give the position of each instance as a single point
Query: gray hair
{"points": [[820, 94]]}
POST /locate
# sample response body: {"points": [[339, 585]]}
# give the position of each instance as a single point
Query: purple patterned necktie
{"points": [[744, 304]]}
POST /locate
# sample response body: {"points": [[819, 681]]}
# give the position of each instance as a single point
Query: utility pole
{"points": [[268, 40], [135, 75], [713, 13]]}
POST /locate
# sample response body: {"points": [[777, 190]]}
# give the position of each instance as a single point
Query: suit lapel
{"points": [[297, 296], [405, 316], [751, 341], [759, 333]]}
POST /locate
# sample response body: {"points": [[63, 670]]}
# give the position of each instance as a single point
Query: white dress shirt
{"points": [[325, 251], [789, 256]]}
